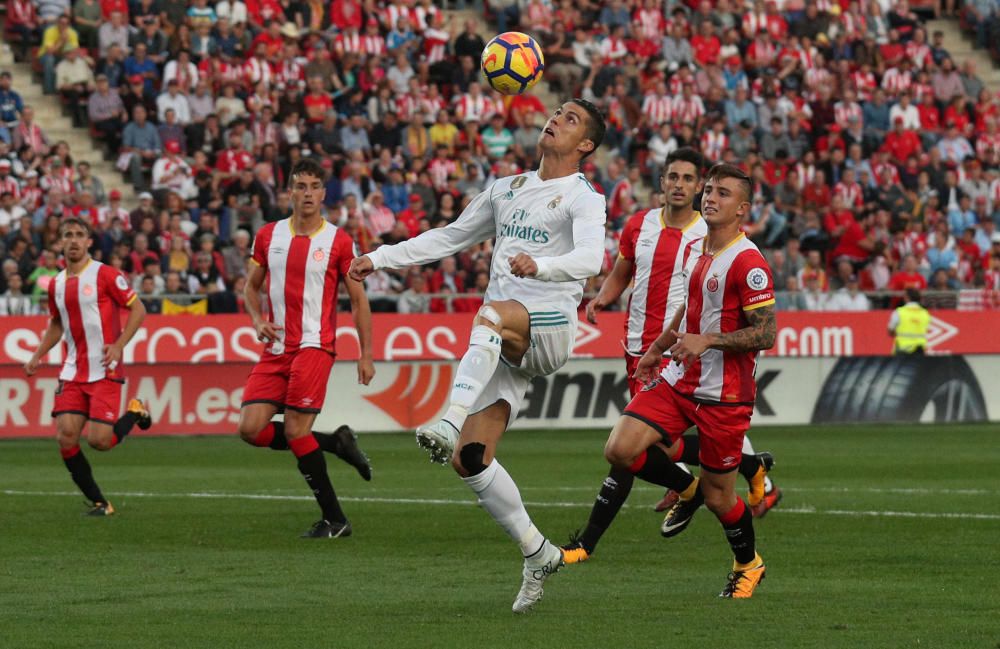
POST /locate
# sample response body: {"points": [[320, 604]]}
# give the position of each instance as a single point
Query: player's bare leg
{"points": [[257, 429], [69, 426], [719, 492], [634, 448], [474, 460], [500, 328]]}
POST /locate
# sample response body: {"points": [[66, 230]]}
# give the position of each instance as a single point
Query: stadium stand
{"points": [[875, 153]]}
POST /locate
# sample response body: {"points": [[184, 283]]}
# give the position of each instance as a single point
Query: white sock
{"points": [[683, 467], [474, 372], [499, 496], [747, 446]]}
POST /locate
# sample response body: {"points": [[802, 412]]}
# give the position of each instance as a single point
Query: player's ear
{"points": [[585, 146]]}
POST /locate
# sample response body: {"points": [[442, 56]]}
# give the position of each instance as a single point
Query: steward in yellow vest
{"points": [[909, 324]]}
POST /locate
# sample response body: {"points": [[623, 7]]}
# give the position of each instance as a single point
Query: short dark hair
{"points": [[309, 166], [595, 124], [686, 154], [913, 295], [724, 170], [72, 220]]}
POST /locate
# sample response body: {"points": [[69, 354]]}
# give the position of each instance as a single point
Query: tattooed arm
{"points": [[756, 337]]}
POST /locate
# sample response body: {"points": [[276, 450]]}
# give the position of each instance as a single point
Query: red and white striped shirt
{"points": [[754, 24], [657, 109], [850, 194], [303, 273], [651, 23], [425, 17], [345, 42], [658, 254], [373, 45], [720, 290], [854, 25], [843, 111], [687, 111], [256, 70], [864, 84], [714, 144], [895, 81], [436, 45], [87, 305], [919, 53], [9, 184], [988, 148]]}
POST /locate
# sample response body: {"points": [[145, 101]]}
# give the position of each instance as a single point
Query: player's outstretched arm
{"points": [[113, 352], [612, 288], [474, 225], [362, 313], [53, 334], [585, 259]]}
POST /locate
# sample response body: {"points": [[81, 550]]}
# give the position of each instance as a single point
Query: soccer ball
{"points": [[512, 62]]}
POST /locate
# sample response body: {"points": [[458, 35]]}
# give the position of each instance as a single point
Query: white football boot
{"points": [[439, 440], [536, 570]]}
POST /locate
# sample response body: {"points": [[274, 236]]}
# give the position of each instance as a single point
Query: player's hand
{"points": [[688, 347], [647, 367], [112, 356], [366, 370], [595, 305], [31, 366], [521, 265], [267, 332], [361, 267]]}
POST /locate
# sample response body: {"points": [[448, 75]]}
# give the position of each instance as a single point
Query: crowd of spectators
{"points": [[875, 156]]}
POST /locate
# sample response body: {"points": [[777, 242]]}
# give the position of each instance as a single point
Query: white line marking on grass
{"points": [[906, 491], [469, 502]]}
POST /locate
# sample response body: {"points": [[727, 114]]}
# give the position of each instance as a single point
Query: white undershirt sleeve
{"points": [[474, 225]]}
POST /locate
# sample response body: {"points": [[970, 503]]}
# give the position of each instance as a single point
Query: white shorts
{"points": [[551, 336]]}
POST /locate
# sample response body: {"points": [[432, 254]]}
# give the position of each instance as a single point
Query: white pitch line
{"points": [[467, 503], [905, 491]]}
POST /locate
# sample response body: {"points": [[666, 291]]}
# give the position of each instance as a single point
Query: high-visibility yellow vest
{"points": [[911, 332]]}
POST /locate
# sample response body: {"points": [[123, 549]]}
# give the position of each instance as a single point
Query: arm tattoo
{"points": [[758, 336]]}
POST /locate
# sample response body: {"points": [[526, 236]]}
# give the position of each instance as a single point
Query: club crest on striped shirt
{"points": [[713, 284], [318, 254], [517, 182], [88, 290]]}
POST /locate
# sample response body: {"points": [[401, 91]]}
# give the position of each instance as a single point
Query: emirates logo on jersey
{"points": [[712, 285], [318, 254], [88, 289]]}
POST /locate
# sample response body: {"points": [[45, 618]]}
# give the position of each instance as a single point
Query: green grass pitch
{"points": [[887, 537]]}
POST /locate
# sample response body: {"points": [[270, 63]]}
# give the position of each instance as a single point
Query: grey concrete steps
{"points": [[961, 49], [49, 115]]}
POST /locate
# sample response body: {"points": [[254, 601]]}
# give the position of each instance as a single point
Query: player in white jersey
{"points": [[549, 230]]}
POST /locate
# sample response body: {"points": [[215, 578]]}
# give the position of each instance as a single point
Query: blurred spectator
{"points": [[13, 301], [415, 299]]}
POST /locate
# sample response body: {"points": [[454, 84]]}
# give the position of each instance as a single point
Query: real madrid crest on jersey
{"points": [[554, 203], [518, 182]]}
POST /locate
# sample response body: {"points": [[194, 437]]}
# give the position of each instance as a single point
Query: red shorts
{"points": [[721, 428], [635, 386], [98, 401], [296, 380]]}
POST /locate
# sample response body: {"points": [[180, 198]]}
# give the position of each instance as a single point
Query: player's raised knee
{"points": [[488, 316], [469, 459]]}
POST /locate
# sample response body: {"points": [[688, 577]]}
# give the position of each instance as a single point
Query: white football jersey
{"points": [[559, 223]]}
